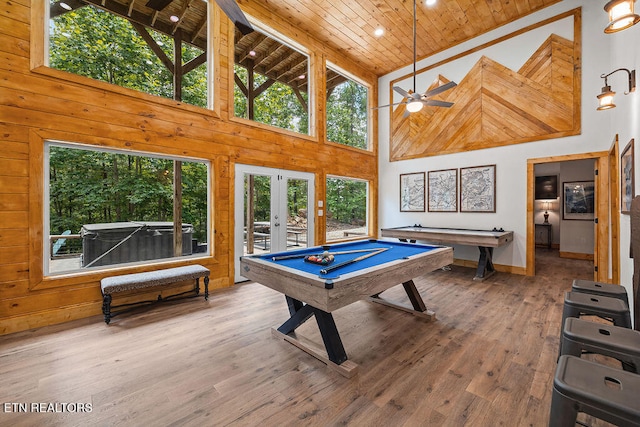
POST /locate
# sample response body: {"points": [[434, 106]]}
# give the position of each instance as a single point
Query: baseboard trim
{"points": [[576, 255]]}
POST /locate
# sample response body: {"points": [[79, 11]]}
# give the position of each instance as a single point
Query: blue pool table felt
{"points": [[396, 250]]}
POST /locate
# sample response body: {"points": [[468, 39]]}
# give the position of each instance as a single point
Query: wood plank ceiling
{"points": [[345, 26]]}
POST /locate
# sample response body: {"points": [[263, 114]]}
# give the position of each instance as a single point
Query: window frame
{"points": [[311, 80], [368, 213], [39, 63], [46, 217], [339, 70]]}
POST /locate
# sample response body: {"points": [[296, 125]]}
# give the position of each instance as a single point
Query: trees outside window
{"points": [[271, 82], [103, 197], [347, 113], [347, 208], [101, 45]]}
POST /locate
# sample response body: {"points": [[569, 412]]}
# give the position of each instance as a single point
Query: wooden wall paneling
{"points": [[540, 101], [39, 104], [13, 288]]}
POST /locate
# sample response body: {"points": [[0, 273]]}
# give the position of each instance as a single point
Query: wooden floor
{"points": [[488, 360]]}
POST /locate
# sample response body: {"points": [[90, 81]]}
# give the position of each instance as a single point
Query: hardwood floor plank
{"points": [[488, 359]]}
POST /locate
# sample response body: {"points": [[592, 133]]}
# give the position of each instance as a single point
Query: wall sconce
{"points": [[621, 15], [605, 99]]}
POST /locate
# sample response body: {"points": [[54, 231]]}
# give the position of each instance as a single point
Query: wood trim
{"points": [[576, 13], [614, 208], [578, 255], [602, 157], [522, 271], [601, 256]]}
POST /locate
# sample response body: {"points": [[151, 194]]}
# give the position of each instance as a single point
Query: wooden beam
{"points": [[154, 46]]}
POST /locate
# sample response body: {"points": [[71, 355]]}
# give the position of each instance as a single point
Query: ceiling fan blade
{"points": [[233, 11], [436, 103], [439, 89], [158, 4], [405, 93], [389, 105]]}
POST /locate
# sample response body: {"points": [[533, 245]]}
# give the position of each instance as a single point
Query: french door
{"points": [[273, 211]]}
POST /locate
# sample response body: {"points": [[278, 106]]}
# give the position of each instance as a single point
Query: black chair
{"points": [[601, 391], [599, 288], [580, 337], [577, 304]]}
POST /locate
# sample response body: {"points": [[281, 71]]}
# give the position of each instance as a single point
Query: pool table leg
{"points": [[485, 263], [300, 313], [414, 296]]}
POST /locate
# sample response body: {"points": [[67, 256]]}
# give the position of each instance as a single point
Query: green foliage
{"points": [[347, 115], [94, 43], [277, 106], [87, 187], [347, 200]]}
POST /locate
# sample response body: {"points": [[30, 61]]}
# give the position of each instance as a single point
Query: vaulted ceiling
{"points": [[345, 26]]}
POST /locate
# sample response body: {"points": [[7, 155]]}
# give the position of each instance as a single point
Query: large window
{"points": [[347, 113], [107, 208], [347, 208], [271, 82], [167, 57]]}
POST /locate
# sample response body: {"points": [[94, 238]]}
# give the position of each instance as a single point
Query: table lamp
{"points": [[546, 213]]}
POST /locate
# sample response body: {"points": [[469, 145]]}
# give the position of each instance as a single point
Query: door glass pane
{"points": [[297, 202], [257, 215]]}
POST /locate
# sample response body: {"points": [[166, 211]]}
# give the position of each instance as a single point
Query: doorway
{"points": [[273, 211], [603, 226]]}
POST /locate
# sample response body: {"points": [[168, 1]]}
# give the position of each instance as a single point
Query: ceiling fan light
{"points": [[414, 106], [621, 15]]}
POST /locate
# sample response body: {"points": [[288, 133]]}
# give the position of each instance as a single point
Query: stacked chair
{"points": [[581, 385]]}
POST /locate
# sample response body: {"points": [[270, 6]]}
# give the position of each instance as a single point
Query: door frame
{"points": [[279, 179], [606, 230]]}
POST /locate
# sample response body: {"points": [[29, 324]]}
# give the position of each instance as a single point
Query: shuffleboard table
{"points": [[309, 291], [485, 240]]}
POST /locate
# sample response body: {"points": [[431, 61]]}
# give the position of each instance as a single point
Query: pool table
{"points": [[309, 292], [485, 240]]}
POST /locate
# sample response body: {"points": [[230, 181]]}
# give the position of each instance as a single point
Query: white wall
{"points": [[511, 161], [625, 121], [576, 236]]}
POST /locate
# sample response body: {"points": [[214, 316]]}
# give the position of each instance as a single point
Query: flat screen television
{"points": [[547, 187]]}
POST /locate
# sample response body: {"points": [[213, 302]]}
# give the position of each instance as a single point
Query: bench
{"points": [[150, 280]]}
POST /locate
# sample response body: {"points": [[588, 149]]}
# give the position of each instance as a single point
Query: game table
{"points": [[485, 240], [310, 292]]}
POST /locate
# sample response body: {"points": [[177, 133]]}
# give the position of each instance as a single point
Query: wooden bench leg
{"points": [[206, 288], [106, 308]]}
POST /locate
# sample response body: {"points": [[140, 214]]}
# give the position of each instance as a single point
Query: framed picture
{"points": [[478, 189], [546, 187], [627, 189], [442, 188], [412, 192], [578, 200]]}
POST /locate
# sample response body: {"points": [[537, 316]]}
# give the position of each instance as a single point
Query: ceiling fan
{"points": [[229, 7], [414, 100]]}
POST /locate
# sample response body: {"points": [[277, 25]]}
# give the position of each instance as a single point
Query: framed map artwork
{"points": [[478, 189], [443, 190], [412, 192]]}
